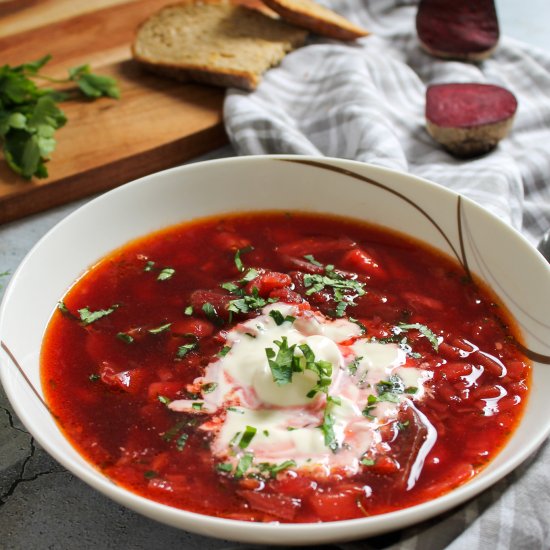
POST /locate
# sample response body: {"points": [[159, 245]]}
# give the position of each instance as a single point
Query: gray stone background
{"points": [[42, 506]]}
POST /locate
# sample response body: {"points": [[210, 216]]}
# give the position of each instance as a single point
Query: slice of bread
{"points": [[316, 18], [214, 42]]}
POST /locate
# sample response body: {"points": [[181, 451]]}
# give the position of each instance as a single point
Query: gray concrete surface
{"points": [[42, 506]]}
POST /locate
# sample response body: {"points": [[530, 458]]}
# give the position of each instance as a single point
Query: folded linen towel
{"points": [[365, 101]]}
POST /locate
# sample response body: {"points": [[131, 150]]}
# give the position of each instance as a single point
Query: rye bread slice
{"points": [[316, 18], [214, 42]]}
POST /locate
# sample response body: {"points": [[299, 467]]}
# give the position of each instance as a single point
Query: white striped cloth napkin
{"points": [[365, 101]]}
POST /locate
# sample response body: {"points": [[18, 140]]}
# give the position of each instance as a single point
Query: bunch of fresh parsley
{"points": [[29, 115]]}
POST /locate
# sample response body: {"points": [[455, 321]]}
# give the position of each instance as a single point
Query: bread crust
{"points": [[317, 19]]}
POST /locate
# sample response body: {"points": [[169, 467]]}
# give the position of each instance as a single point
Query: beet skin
{"points": [[469, 119], [458, 29]]}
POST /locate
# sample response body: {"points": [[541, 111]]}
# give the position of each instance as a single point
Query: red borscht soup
{"points": [[283, 367]]}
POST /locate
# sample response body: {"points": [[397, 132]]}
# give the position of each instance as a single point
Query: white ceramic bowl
{"points": [[457, 226]]}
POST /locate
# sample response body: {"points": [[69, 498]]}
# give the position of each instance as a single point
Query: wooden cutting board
{"points": [[156, 124]]}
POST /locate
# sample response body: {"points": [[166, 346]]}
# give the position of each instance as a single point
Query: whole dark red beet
{"points": [[458, 29], [469, 119]]}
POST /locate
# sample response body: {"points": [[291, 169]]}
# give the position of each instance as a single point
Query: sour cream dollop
{"points": [[317, 427]]}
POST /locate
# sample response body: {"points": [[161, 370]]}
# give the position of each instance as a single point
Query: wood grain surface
{"points": [[156, 124]]}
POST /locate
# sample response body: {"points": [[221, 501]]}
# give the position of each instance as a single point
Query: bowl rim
{"points": [[229, 528]]}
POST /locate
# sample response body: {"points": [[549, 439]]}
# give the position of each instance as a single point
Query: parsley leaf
{"points": [[424, 330], [210, 311], [224, 351], [29, 115], [327, 427], [165, 274], [312, 260], [277, 316], [210, 387], [161, 328], [283, 363], [185, 349], [353, 366], [247, 437], [240, 251], [181, 441], [125, 337], [87, 316], [244, 464], [224, 467], [93, 85]]}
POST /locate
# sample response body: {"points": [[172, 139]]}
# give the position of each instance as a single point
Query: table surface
{"points": [[44, 506]]}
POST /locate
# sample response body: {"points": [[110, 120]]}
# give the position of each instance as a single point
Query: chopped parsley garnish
{"points": [[169, 434], [232, 287], [274, 469], [164, 400], [249, 302], [338, 284], [323, 370], [327, 427], [125, 337], [165, 274], [210, 311], [63, 308], [238, 261], [394, 384], [210, 387], [87, 316], [244, 464], [424, 330], [94, 377], [149, 266], [312, 260], [197, 406], [403, 425], [247, 437], [181, 441], [161, 328], [150, 474], [388, 390], [353, 366], [283, 363], [359, 324], [371, 404], [184, 349], [224, 467], [224, 351], [188, 310], [266, 433], [250, 275], [279, 319], [234, 409], [367, 462]]}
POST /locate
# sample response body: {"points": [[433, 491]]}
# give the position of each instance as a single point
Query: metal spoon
{"points": [[544, 245]]}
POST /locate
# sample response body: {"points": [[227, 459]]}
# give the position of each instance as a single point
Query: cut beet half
{"points": [[461, 29], [469, 119]]}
